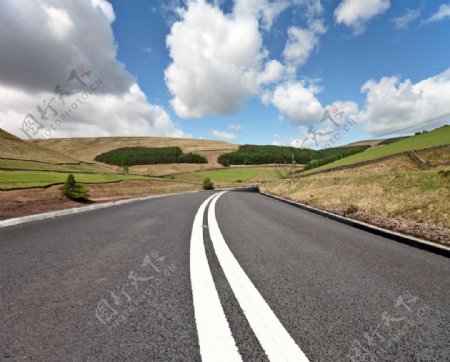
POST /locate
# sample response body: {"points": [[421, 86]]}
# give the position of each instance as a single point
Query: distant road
{"points": [[217, 277]]}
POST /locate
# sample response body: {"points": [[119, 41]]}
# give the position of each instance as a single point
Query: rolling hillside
{"points": [[434, 138], [12, 147], [85, 149]]}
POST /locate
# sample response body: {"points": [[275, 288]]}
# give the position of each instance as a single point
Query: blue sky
{"points": [[343, 61], [246, 71]]}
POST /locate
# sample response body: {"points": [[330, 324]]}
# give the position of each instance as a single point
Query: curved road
{"points": [[217, 276]]}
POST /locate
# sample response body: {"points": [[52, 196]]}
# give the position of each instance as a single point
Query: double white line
{"points": [[215, 338]]}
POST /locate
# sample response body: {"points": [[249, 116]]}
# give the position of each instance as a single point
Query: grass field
{"points": [[437, 137], [25, 179], [39, 166], [233, 175]]}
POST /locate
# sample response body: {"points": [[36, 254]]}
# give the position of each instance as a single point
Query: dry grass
{"points": [[85, 149], [435, 155], [392, 189], [21, 150]]}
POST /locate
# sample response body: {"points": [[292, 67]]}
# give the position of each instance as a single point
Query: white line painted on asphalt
{"points": [[274, 339], [214, 335]]}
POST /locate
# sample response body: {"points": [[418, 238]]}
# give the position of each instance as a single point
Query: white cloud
{"points": [[58, 21], [298, 102], [356, 13], [442, 13], [45, 41], [227, 136], [99, 114], [403, 21], [272, 72], [235, 127], [302, 42], [266, 10], [215, 68], [392, 105]]}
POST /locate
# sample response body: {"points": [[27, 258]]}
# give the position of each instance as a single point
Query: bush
{"points": [[207, 184], [74, 191], [238, 180], [350, 210]]}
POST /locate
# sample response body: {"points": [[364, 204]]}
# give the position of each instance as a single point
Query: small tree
{"points": [[207, 184], [125, 168], [74, 191]]}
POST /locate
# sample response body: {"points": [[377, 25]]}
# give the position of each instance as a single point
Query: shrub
{"points": [[74, 191], [350, 210], [207, 184], [238, 180]]}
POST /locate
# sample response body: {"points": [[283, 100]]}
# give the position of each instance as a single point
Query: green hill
{"points": [[435, 138]]}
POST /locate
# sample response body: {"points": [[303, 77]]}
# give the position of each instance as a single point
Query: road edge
{"points": [[394, 235], [77, 210]]}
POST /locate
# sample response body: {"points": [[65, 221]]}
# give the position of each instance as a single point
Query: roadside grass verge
{"points": [[401, 193], [27, 179], [435, 138]]}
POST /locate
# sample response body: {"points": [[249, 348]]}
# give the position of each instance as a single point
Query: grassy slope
{"points": [[4, 134], [437, 137], [18, 149], [394, 189], [24, 179], [39, 166], [85, 149]]}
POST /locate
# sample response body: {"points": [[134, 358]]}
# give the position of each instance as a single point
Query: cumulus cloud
{"points": [[302, 41], [86, 114], [392, 105], [356, 13], [266, 10], [404, 20], [222, 135], [42, 42], [215, 69], [298, 102], [442, 13]]}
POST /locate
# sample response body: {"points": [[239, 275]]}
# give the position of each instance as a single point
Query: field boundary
{"points": [[402, 238]]}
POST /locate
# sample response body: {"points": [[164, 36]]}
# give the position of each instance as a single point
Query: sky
{"points": [[307, 73]]}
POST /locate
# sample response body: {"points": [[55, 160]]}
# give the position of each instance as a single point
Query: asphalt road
{"points": [[247, 278]]}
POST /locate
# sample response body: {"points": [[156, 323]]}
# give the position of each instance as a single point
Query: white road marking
{"points": [[214, 335], [274, 339]]}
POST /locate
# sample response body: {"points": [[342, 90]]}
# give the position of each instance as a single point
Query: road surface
{"points": [[217, 277]]}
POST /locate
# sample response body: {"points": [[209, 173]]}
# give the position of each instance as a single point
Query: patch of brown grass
{"points": [[393, 189]]}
